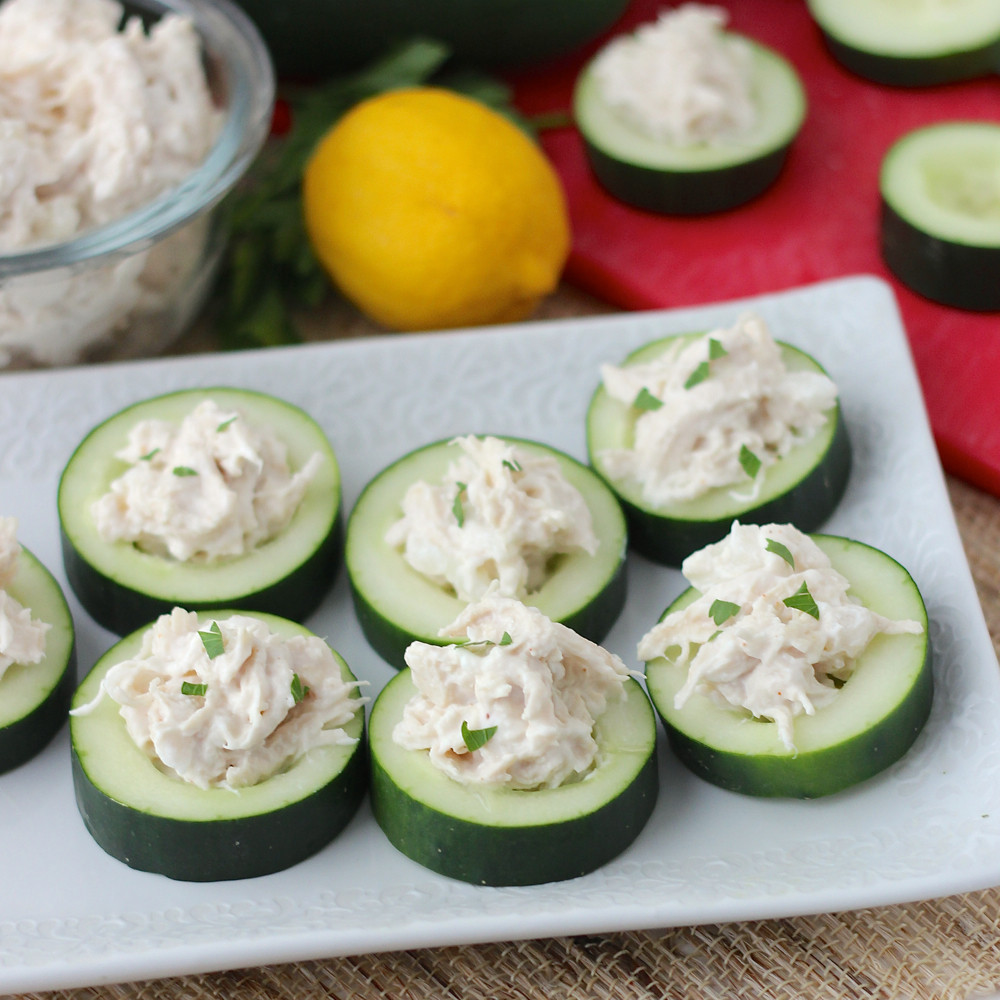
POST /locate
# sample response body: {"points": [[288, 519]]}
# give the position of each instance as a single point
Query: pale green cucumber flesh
{"points": [[803, 488], [911, 45], [396, 605], [502, 836], [122, 587], [660, 177], [152, 821], [873, 721], [940, 226], [34, 697]]}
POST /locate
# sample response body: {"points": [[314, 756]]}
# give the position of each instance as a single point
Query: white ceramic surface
{"points": [[929, 826]]}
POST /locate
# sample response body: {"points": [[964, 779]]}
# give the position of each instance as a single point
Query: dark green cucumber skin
{"points": [[221, 850], [29, 735], [122, 609], [801, 776], [670, 541], [914, 71], [342, 34], [682, 192], [953, 274], [389, 640], [512, 855]]}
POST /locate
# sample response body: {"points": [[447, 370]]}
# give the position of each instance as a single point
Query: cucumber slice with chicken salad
{"points": [[802, 488], [873, 720], [502, 836], [395, 604], [34, 697], [123, 586], [659, 176], [940, 188], [153, 821], [912, 44]]}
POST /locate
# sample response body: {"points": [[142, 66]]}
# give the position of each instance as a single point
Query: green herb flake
{"points": [[645, 400], [476, 738], [148, 457], [456, 506], [512, 464], [697, 376], [225, 424], [715, 349], [722, 611], [781, 550], [802, 600], [750, 462], [505, 639], [212, 641], [299, 690], [184, 470], [188, 688]]}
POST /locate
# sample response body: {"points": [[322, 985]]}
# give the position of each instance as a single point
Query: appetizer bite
{"points": [[940, 188], [694, 430], [684, 117], [217, 746], [517, 753], [794, 665], [439, 527], [911, 44], [37, 652], [201, 498]]}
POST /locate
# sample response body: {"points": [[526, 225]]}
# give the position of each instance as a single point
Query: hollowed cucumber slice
{"points": [[502, 836], [802, 489], [156, 822], [396, 605], [122, 587], [940, 188], [688, 180], [873, 721], [908, 44], [34, 697]]}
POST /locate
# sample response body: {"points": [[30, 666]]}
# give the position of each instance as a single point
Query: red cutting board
{"points": [[819, 221]]}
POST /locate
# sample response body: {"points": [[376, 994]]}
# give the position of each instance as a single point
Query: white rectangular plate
{"points": [[929, 826]]}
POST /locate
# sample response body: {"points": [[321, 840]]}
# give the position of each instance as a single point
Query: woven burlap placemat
{"points": [[942, 949]]}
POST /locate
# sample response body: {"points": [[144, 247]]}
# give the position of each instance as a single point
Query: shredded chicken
{"points": [[22, 637]]}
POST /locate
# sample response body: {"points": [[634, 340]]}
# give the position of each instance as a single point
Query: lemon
{"points": [[430, 210]]}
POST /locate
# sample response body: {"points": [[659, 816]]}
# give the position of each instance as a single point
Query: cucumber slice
{"points": [[873, 721], [802, 489], [940, 188], [123, 587], [396, 605], [502, 836], [690, 180], [34, 697], [155, 822], [907, 44]]}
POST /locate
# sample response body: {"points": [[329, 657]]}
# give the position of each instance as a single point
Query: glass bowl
{"points": [[130, 287]]}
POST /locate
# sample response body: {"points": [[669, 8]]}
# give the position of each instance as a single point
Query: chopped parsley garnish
{"points": [[456, 506], [188, 688], [226, 423], [715, 350], [750, 462], [184, 470], [781, 550], [299, 691], [512, 464], [212, 641], [148, 457], [505, 640], [475, 738], [722, 611], [645, 400], [802, 600], [697, 376]]}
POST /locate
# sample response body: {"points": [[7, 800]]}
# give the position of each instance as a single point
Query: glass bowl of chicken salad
{"points": [[123, 126]]}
